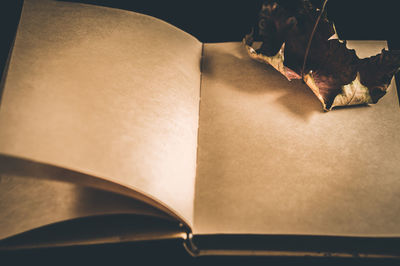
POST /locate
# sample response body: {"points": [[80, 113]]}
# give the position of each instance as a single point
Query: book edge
{"points": [[18, 166], [264, 245]]}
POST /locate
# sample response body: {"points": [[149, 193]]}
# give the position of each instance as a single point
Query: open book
{"points": [[116, 126]]}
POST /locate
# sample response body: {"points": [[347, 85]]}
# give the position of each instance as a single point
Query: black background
{"points": [[230, 20], [209, 21]]}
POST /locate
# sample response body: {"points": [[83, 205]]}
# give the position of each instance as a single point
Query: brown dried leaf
{"points": [[333, 72]]}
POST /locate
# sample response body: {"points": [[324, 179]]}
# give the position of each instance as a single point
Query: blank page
{"points": [[270, 161], [106, 92], [30, 203]]}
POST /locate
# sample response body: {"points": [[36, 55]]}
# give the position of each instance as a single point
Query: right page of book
{"points": [[270, 161]]}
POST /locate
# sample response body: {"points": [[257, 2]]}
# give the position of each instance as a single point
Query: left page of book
{"points": [[31, 203], [108, 93]]}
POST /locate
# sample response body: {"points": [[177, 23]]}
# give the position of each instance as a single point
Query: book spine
{"points": [[189, 245]]}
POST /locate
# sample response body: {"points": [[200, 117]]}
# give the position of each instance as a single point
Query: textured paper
{"points": [[271, 162], [29, 203], [108, 93], [114, 95]]}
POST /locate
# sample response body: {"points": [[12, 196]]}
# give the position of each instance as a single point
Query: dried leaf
{"points": [[333, 72]]}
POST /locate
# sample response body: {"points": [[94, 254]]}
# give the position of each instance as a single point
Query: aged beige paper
{"points": [[271, 162], [108, 93], [30, 203]]}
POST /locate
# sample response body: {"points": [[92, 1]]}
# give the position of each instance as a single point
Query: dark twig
{"points": [[311, 38]]}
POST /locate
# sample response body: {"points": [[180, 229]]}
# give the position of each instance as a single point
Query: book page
{"points": [[30, 203], [102, 230], [108, 93], [270, 161]]}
